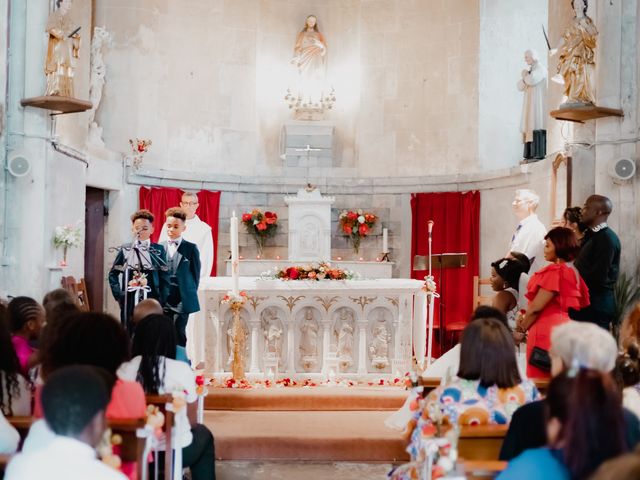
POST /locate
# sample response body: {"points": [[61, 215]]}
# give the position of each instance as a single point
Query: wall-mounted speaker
{"points": [[622, 169], [18, 164]]}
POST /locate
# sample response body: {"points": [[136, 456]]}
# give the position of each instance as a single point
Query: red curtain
{"points": [[159, 199], [456, 229]]}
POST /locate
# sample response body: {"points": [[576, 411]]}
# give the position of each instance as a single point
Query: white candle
{"points": [[385, 240], [235, 264]]}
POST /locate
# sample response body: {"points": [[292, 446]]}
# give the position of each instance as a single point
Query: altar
{"points": [[359, 329]]}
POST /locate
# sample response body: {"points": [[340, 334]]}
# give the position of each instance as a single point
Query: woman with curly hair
{"points": [[15, 389]]}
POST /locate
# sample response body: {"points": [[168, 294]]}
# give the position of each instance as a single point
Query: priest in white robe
{"points": [[197, 232]]}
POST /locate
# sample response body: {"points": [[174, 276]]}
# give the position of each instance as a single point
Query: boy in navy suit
{"points": [[139, 257], [183, 260]]}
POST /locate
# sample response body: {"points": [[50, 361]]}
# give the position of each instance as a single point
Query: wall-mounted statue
{"points": [[576, 62], [309, 341], [62, 51], [101, 38], [533, 83]]}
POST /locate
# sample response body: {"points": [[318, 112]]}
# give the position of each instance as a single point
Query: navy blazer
{"points": [[187, 275], [157, 279]]}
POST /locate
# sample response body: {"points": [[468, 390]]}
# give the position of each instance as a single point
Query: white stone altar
{"points": [[309, 226], [359, 329], [255, 268]]}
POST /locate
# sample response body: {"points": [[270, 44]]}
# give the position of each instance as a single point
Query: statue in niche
{"points": [[379, 348], [576, 62], [101, 38], [309, 341], [344, 332], [62, 51], [533, 83], [272, 332]]}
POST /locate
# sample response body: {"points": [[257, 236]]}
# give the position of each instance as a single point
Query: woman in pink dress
{"points": [[551, 292]]}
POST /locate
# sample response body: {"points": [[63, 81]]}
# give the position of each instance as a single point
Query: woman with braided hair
{"points": [[15, 389], [26, 319]]}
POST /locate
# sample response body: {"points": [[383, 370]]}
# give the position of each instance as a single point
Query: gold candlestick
{"points": [[237, 366]]}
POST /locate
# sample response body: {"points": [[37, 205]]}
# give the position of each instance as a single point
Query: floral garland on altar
{"points": [[289, 383], [356, 225], [321, 271]]}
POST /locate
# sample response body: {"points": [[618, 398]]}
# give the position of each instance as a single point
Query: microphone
{"points": [[430, 226]]}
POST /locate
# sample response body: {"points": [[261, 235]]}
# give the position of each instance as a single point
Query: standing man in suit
{"points": [[183, 259], [598, 262], [143, 259]]}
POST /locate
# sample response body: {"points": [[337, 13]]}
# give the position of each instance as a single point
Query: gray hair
{"points": [[534, 54], [190, 194], [585, 343], [529, 196]]}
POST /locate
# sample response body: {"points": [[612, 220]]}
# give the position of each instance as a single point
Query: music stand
{"points": [[440, 261]]}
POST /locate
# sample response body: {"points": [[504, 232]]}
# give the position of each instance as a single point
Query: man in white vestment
{"points": [[528, 237], [533, 83], [197, 232]]}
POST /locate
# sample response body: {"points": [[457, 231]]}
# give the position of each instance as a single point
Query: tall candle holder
{"points": [[236, 301]]}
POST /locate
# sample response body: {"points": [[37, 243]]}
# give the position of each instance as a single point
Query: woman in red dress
{"points": [[551, 292]]}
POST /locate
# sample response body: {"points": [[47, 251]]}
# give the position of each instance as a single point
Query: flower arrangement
{"points": [[306, 383], [260, 225], [139, 280], [356, 225], [66, 236], [138, 148], [321, 271], [230, 297], [430, 286]]}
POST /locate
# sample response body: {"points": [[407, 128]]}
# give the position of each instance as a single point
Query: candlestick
{"points": [[235, 263], [385, 240]]}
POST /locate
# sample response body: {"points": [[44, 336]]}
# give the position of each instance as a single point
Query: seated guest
{"points": [[552, 291], [585, 427], [58, 305], [624, 466], [524, 278], [487, 388], [155, 367], [150, 306], [630, 329], [589, 346], [450, 361], [26, 319], [505, 280], [74, 401], [15, 389], [9, 437], [627, 375]]}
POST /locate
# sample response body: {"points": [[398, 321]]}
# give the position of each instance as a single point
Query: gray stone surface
{"points": [[234, 470]]}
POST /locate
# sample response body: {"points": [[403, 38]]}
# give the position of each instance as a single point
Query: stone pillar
{"points": [[255, 354], [362, 347], [291, 346], [326, 346]]}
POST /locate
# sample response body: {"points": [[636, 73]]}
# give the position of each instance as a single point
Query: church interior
{"points": [[328, 238]]}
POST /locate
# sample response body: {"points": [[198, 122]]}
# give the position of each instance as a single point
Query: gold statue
{"points": [[62, 50], [576, 62]]}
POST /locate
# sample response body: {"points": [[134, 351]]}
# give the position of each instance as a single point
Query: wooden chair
{"points": [[133, 441], [4, 461], [481, 469], [478, 297], [161, 401], [481, 442], [78, 290]]}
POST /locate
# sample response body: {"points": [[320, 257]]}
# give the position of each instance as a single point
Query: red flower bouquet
{"points": [[260, 225], [321, 271], [356, 225]]}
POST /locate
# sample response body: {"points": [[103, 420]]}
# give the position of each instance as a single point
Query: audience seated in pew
{"points": [[15, 389], [585, 427], [9, 437], [155, 367], [74, 400], [591, 347], [26, 317], [627, 375], [151, 306]]}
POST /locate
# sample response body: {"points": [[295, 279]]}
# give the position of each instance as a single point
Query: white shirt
{"points": [[199, 233], [173, 245], [9, 437], [178, 378], [21, 402], [529, 239], [64, 458]]}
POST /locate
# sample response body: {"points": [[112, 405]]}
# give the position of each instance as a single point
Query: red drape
{"points": [[159, 199], [456, 229]]}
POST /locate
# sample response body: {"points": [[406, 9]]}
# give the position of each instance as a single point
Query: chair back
{"points": [[78, 290], [161, 401], [480, 297]]}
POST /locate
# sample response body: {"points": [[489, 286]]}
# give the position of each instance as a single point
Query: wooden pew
{"points": [[161, 401], [433, 382], [481, 442], [476, 470], [21, 424]]}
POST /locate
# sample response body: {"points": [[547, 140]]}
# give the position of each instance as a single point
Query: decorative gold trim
{"points": [[327, 301], [393, 300], [291, 301], [363, 301], [255, 301]]}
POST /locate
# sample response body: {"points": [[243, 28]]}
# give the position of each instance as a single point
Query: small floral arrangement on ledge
{"points": [[260, 225], [66, 236], [139, 280], [306, 383], [356, 225], [321, 271], [230, 297], [138, 148], [430, 286]]}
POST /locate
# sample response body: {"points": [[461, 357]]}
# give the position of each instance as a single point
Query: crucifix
{"points": [[308, 149]]}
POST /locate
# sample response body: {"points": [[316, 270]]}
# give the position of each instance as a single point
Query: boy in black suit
{"points": [[183, 260], [139, 258]]}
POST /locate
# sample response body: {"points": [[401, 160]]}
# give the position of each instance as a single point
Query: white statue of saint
{"points": [[345, 339], [309, 340], [379, 348], [533, 83], [272, 332]]}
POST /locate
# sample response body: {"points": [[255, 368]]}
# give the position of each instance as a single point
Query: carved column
{"points": [[291, 346], [255, 354], [362, 347], [326, 345]]}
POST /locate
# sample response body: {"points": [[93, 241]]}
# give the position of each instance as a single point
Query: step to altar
{"points": [[320, 398], [320, 436], [244, 470]]}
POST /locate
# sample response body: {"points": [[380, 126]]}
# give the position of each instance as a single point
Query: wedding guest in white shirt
{"points": [[528, 237], [74, 400], [9, 437]]}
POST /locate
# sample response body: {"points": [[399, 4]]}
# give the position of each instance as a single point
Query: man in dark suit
{"points": [[598, 262], [183, 259], [135, 260]]}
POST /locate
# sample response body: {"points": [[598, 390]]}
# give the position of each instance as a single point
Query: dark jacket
{"points": [[157, 279], [185, 278]]}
